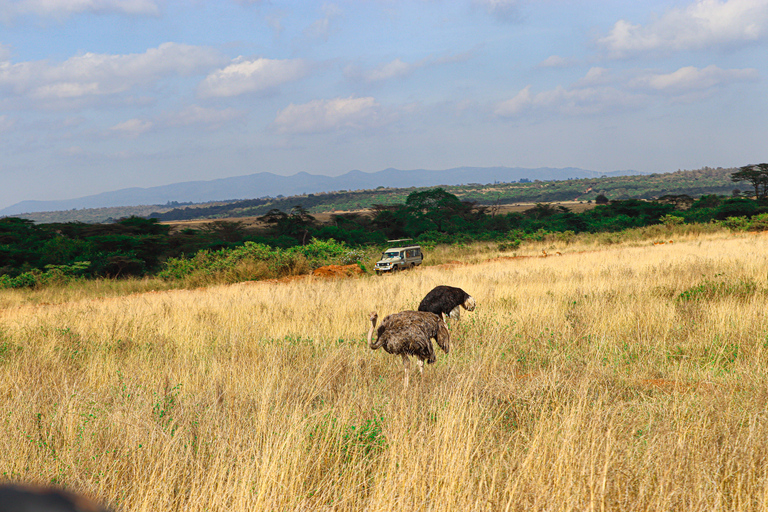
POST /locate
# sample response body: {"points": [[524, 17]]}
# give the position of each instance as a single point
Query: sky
{"points": [[100, 95]]}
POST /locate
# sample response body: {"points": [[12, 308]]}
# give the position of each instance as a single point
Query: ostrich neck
{"points": [[370, 333]]}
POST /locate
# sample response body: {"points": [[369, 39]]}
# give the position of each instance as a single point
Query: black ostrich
{"points": [[26, 498], [446, 300], [410, 333]]}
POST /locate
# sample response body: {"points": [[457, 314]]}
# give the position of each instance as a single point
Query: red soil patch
{"points": [[452, 263], [337, 271], [674, 385], [504, 258]]}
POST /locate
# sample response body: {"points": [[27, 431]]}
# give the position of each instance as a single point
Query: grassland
{"points": [[621, 376]]}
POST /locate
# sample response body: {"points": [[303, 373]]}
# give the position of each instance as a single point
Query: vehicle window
{"points": [[391, 254]]}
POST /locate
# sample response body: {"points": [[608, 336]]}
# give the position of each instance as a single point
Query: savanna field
{"points": [[623, 376]]}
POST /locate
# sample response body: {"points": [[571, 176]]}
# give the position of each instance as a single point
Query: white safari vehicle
{"points": [[399, 258]]}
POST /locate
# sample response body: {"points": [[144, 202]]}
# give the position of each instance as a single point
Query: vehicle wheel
{"points": [[395, 268]]}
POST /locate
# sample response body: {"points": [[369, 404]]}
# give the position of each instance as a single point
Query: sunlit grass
{"points": [[618, 376]]}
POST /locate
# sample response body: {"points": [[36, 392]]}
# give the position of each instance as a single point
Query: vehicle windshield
{"points": [[390, 254]]}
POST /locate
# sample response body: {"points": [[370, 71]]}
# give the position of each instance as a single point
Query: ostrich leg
{"points": [[407, 366], [420, 362]]}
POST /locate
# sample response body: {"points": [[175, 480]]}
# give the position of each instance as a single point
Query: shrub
{"points": [[566, 236], [252, 261], [759, 222], [509, 245], [736, 223], [321, 251], [670, 220], [710, 290], [54, 274]]}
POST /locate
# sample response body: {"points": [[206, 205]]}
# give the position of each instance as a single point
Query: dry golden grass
{"points": [[621, 377]]}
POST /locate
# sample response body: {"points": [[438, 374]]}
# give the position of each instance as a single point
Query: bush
{"points": [[252, 261], [710, 290], [511, 245], [54, 274], [566, 236], [670, 220], [759, 222], [321, 251], [736, 223]]}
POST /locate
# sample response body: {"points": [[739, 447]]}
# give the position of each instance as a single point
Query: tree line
{"points": [[139, 247]]}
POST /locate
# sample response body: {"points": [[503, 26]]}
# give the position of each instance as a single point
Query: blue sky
{"points": [[98, 95]]}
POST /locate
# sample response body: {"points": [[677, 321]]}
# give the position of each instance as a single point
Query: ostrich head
{"points": [[443, 336], [468, 304]]}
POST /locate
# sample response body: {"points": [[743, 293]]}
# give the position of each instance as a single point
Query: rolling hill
{"points": [[267, 184]]}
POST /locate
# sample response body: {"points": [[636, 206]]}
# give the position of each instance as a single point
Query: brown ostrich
{"points": [[27, 498], [410, 333]]}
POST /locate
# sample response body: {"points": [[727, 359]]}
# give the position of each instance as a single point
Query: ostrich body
{"points": [[447, 300], [26, 498], [410, 333]]}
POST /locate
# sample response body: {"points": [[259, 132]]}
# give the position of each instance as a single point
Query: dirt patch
{"points": [[337, 271], [452, 263], [669, 386], [507, 258]]}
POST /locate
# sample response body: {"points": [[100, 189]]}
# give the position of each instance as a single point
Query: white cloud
{"points": [[397, 68], [589, 95], [5, 52], [195, 115], [393, 69], [133, 127], [516, 105], [505, 10], [595, 76], [93, 74], [60, 8], [275, 22], [329, 115], [249, 76], [321, 29], [555, 61], [693, 79], [190, 116], [702, 24], [584, 101], [600, 91]]}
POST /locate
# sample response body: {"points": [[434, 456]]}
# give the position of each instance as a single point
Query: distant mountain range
{"points": [[267, 184]]}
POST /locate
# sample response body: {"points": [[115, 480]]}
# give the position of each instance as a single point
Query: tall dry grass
{"points": [[623, 377]]}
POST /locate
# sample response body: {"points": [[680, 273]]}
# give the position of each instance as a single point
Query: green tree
{"points": [[226, 231], [757, 175], [297, 224], [437, 206]]}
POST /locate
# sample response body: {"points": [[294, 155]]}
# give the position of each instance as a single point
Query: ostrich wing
{"points": [[409, 333]]}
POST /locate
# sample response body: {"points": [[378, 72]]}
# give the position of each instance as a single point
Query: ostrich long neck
{"points": [[370, 332]]}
